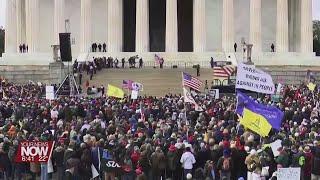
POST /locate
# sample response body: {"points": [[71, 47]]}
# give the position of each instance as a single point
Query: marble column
{"points": [[19, 24], [59, 19], [171, 26], [114, 26], [11, 27], [85, 26], [142, 26], [32, 25], [255, 25], [306, 45], [228, 26], [282, 37], [199, 25]]}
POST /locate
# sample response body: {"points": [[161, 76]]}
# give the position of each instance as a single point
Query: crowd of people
{"points": [[23, 48], [155, 137]]}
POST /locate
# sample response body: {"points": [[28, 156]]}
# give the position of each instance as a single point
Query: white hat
{"points": [[253, 152]]}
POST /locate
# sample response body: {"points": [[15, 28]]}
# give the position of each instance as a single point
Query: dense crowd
{"points": [[155, 137]]}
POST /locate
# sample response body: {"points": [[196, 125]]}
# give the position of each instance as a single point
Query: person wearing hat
{"points": [[172, 161], [308, 163], [225, 165], [187, 160]]}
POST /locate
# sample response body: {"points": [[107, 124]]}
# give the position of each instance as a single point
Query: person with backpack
{"points": [[225, 165]]}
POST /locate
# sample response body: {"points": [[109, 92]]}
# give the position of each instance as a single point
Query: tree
{"points": [[316, 37]]}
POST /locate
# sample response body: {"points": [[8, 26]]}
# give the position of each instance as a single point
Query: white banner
{"points": [[49, 92], [253, 79], [188, 98], [134, 94], [137, 86], [275, 146], [288, 173]]}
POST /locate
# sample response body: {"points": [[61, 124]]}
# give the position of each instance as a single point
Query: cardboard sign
{"points": [[134, 94], [288, 173], [275, 146], [49, 92], [34, 151], [214, 93]]}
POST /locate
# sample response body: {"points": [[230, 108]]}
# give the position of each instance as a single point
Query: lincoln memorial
{"points": [[178, 30]]}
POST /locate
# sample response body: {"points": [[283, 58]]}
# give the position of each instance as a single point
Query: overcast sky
{"points": [[316, 11]]}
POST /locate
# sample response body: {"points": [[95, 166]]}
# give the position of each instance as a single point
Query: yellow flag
{"points": [[114, 91], [311, 86], [255, 122]]}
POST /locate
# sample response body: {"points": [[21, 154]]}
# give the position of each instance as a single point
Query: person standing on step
{"points": [[198, 70], [272, 47], [122, 62], [80, 77], [104, 46], [212, 63], [140, 63], [99, 47], [235, 46]]}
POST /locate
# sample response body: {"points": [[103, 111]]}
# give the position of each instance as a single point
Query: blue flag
{"points": [[106, 155], [271, 113]]}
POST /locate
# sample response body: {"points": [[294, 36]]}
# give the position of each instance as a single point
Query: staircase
{"points": [[158, 82]]}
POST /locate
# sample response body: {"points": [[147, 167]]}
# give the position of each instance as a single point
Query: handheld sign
{"points": [[34, 151], [288, 173]]}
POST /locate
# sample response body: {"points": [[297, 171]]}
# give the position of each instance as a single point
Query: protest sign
{"points": [[137, 86], [253, 79], [34, 151], [275, 146], [134, 94], [49, 92], [214, 93], [288, 173]]}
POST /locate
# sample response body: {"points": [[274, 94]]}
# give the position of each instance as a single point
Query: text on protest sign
{"points": [[288, 173], [253, 79], [34, 151]]}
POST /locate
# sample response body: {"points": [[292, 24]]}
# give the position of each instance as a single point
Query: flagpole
{"points": [[184, 104]]}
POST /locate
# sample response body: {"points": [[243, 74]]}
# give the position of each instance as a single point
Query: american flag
{"points": [[192, 82], [127, 84], [157, 59], [223, 71]]}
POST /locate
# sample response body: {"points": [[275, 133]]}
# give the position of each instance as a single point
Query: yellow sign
{"points": [[255, 122], [311, 86], [114, 91]]}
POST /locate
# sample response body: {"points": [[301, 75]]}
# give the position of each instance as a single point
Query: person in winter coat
{"points": [[158, 164], [283, 158], [308, 163], [253, 164], [315, 169], [57, 158], [172, 159], [225, 165], [187, 160], [144, 164]]}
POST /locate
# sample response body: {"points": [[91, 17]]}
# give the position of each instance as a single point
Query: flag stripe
{"points": [[191, 81], [224, 71]]}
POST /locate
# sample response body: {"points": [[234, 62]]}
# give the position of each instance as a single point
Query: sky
{"points": [[316, 11]]}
